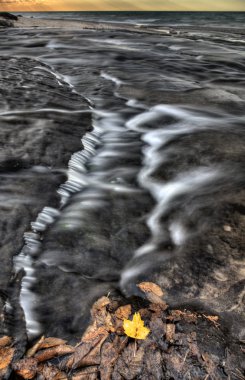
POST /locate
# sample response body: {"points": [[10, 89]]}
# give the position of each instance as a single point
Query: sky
{"points": [[120, 5]]}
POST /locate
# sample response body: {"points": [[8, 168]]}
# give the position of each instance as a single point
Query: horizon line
{"points": [[130, 10]]}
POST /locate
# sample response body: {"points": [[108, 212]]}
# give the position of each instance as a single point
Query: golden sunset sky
{"points": [[121, 5]]}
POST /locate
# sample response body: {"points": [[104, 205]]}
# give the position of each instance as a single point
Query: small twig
{"points": [[32, 351], [135, 347], [124, 340], [186, 354], [185, 357], [213, 319], [238, 375]]}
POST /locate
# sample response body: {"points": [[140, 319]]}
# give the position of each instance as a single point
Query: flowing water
{"points": [[162, 152]]}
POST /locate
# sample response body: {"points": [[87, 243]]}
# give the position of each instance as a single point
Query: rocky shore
{"points": [[190, 80], [37, 146]]}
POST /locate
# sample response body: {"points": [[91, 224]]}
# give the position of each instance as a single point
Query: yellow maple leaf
{"points": [[135, 328]]}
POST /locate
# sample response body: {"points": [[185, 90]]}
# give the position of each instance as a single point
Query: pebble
{"points": [[227, 228]]}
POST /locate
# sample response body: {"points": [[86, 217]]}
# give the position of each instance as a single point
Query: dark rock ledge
{"points": [[6, 19], [35, 150]]}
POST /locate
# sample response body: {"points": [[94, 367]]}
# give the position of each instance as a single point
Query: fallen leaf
{"points": [[31, 352], [129, 364], [150, 287], [119, 315], [51, 342], [145, 313], [112, 306], [157, 309], [83, 349], [170, 332], [158, 330], [89, 373], [194, 349], [123, 312], [6, 355], [110, 352], [135, 328], [50, 372], [99, 306], [210, 366], [5, 341], [59, 376], [153, 293], [26, 368], [50, 353], [213, 319], [186, 315], [93, 357], [176, 362], [100, 314], [93, 332]]}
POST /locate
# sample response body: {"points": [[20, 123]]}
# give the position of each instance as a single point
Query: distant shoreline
{"points": [[74, 24], [26, 22], [108, 11]]}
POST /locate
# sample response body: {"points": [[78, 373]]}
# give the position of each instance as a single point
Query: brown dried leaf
{"points": [[106, 321], [93, 332], [153, 293], [84, 349], [194, 349], [157, 300], [31, 352], [123, 312], [99, 306], [6, 356], [210, 366], [101, 316], [129, 364], [52, 342], [157, 309], [176, 362], [113, 306], [176, 315], [150, 287], [109, 355], [50, 353], [213, 319], [170, 332], [26, 368], [89, 373], [60, 376], [50, 372], [145, 313], [94, 356], [158, 329], [5, 341]]}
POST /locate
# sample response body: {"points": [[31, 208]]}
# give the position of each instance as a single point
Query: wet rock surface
{"points": [[37, 143], [8, 16], [157, 193], [7, 20], [5, 23], [139, 340]]}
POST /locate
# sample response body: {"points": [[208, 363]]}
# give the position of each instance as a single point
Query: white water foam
{"points": [[25, 260], [159, 125]]}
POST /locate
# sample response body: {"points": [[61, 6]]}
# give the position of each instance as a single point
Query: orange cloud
{"points": [[24, 5], [117, 5]]}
